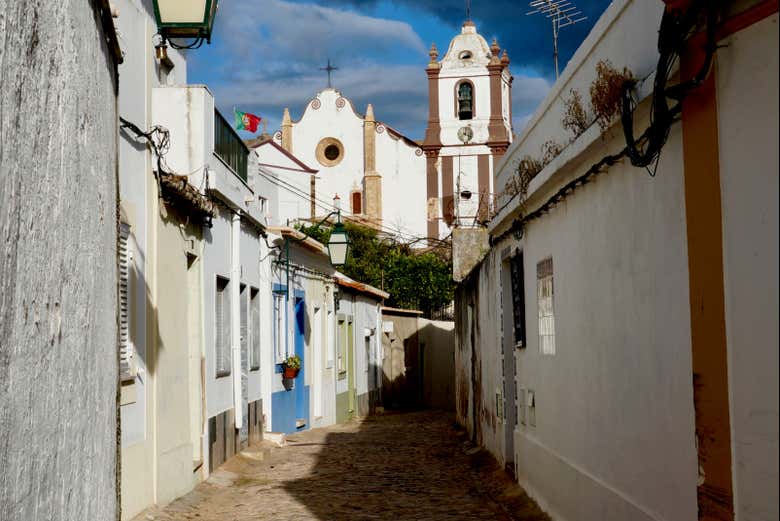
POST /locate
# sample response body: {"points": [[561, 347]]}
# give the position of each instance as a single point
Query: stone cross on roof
{"points": [[329, 69]]}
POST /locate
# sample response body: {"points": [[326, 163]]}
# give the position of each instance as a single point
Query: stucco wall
{"points": [[748, 136], [437, 350], [400, 352], [58, 269], [612, 435]]}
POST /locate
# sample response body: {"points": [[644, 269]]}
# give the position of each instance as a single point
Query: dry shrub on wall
{"points": [[605, 92], [575, 118], [527, 169], [550, 150]]}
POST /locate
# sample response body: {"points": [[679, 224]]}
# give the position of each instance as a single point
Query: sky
{"points": [[266, 55]]}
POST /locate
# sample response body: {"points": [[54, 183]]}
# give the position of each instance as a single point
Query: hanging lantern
{"points": [[185, 18], [338, 245]]}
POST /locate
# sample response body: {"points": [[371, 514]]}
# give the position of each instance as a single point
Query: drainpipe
{"points": [[235, 315]]}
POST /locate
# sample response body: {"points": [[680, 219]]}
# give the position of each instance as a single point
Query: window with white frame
{"points": [[254, 312], [222, 327], [544, 298], [126, 361], [280, 338]]}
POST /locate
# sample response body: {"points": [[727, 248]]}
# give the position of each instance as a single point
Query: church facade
{"points": [[376, 174], [413, 190]]}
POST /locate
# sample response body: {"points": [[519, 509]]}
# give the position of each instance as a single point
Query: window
{"points": [[254, 310], [357, 202], [465, 100], [518, 298], [280, 339], [465, 55], [126, 362], [369, 358], [341, 356], [329, 151], [222, 326], [544, 295], [521, 408], [332, 152], [229, 146]]}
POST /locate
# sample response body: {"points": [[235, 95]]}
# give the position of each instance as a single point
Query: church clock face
{"points": [[465, 134]]}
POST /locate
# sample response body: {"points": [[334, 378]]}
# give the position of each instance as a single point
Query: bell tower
{"points": [[469, 129]]}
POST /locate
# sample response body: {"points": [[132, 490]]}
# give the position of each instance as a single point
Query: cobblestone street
{"points": [[414, 466]]}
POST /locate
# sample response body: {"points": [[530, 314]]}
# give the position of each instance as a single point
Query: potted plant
{"points": [[292, 366]]}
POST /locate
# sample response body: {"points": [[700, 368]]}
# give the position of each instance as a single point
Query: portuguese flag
{"points": [[246, 121]]}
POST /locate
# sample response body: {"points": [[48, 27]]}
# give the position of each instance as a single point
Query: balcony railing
{"points": [[229, 146]]}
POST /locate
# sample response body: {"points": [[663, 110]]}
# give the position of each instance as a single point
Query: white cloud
{"points": [[284, 32]]}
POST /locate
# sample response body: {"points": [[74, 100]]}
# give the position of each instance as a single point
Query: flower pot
{"points": [[290, 372]]}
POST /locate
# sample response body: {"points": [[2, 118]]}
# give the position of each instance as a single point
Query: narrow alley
{"points": [[412, 466]]}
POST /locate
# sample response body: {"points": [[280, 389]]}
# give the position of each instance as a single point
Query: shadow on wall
{"points": [[408, 466], [419, 364]]}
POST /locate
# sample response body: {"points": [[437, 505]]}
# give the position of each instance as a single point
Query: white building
{"points": [[618, 344], [235, 284], [302, 324], [290, 180], [193, 284], [377, 172], [158, 443], [469, 129], [359, 353]]}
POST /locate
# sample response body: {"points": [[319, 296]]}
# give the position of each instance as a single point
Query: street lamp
{"points": [[338, 245], [185, 18]]}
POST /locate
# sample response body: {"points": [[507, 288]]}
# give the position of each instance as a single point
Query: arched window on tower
{"points": [[465, 100]]}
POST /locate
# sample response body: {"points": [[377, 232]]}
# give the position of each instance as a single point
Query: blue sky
{"points": [[265, 54]]}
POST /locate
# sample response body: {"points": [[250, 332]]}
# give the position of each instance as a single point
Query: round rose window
{"points": [[330, 151]]}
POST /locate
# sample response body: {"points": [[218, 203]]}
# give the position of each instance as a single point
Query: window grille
{"points": [[127, 370], [518, 298], [222, 322], [544, 293]]}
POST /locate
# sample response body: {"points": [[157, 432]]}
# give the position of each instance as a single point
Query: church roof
{"points": [[268, 140]]}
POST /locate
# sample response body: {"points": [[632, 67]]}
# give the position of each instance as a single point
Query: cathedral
{"points": [[413, 189]]}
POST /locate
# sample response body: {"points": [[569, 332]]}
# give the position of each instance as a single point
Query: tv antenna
{"points": [[562, 13]]}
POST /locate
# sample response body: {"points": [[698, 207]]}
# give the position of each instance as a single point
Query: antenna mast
{"points": [[562, 13]]}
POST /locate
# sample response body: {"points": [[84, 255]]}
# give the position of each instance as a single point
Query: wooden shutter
{"points": [[127, 370]]}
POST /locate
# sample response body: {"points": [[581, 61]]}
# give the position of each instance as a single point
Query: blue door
{"points": [[302, 391]]}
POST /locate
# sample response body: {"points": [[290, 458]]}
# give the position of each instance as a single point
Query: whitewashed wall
{"points": [[344, 124], [404, 198], [139, 75], [748, 136], [614, 421]]}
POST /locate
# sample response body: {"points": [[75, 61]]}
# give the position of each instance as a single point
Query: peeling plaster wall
{"points": [[58, 265]]}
